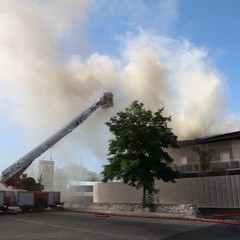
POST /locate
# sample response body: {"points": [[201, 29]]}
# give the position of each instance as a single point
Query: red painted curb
{"points": [[227, 214], [102, 214]]}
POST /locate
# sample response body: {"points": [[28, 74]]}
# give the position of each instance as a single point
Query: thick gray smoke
{"points": [[44, 86]]}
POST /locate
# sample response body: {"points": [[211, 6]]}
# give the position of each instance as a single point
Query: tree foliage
{"points": [[137, 155], [204, 156]]}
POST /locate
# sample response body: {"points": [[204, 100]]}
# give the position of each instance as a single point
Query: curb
{"points": [[106, 214]]}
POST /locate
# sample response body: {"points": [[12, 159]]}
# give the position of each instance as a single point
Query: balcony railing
{"points": [[231, 165]]}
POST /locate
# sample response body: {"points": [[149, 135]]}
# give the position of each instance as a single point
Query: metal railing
{"points": [[233, 164]]}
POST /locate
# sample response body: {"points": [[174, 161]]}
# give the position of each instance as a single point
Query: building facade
{"points": [[218, 187], [225, 157]]}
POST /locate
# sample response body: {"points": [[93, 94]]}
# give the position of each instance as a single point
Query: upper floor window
{"points": [[183, 160], [224, 156]]}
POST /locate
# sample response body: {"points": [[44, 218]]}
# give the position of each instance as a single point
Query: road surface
{"points": [[66, 225]]}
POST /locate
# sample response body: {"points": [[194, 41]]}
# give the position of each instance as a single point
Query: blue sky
{"points": [[213, 24], [210, 24], [57, 57]]}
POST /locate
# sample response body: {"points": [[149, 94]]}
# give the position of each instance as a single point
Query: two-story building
{"points": [[217, 189], [226, 155]]}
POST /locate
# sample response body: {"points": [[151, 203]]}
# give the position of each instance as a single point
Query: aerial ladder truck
{"points": [[30, 194]]}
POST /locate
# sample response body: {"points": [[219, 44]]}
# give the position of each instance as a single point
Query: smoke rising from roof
{"points": [[44, 85]]}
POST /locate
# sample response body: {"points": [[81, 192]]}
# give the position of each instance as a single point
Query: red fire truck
{"points": [[28, 194]]}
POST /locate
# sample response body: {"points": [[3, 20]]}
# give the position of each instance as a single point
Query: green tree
{"points": [[204, 157], [137, 155]]}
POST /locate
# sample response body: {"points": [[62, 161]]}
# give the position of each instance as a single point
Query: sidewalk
{"points": [[221, 216]]}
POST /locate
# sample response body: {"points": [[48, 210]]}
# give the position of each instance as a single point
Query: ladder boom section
{"points": [[17, 168]]}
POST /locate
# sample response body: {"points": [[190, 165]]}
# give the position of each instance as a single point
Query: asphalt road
{"points": [[66, 225]]}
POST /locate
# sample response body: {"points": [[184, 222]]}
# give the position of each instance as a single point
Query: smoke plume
{"points": [[43, 85]]}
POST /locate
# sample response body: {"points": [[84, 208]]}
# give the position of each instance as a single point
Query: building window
{"points": [[183, 160], [224, 156]]}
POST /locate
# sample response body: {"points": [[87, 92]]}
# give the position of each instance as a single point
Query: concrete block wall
{"points": [[215, 191], [115, 192]]}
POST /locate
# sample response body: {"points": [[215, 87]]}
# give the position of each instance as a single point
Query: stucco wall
{"points": [[236, 149], [232, 147], [218, 191]]}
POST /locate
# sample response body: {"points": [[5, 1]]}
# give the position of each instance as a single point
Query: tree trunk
{"points": [[144, 196]]}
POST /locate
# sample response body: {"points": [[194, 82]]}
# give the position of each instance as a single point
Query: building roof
{"points": [[210, 139]]}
